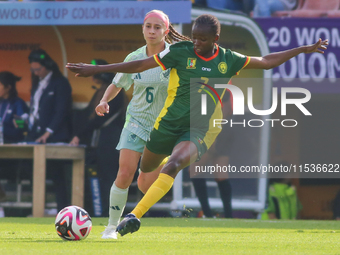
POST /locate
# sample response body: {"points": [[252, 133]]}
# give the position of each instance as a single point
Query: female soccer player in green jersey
{"points": [[172, 134], [149, 94]]}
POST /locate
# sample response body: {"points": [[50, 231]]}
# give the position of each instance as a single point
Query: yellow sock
{"points": [[157, 190]]}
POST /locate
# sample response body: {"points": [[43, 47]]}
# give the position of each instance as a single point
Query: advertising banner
{"points": [[317, 72], [89, 13]]}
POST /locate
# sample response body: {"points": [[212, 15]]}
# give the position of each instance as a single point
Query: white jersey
{"points": [[149, 94]]}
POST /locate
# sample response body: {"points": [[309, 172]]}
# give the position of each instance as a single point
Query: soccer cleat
{"points": [[129, 224], [109, 232]]}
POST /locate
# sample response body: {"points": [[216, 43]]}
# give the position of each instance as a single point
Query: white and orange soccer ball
{"points": [[73, 223]]}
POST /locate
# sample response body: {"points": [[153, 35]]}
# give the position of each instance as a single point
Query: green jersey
{"points": [[149, 94], [183, 104]]}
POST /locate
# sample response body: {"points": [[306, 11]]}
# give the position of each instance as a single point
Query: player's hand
{"points": [[102, 108], [43, 138], [81, 69], [319, 46], [15, 123], [75, 141]]}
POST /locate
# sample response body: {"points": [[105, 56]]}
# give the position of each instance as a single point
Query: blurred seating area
{"points": [[313, 9], [255, 8], [277, 8], [85, 0], [289, 8], [301, 8]]}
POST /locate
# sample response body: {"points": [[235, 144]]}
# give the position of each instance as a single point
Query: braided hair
{"points": [[209, 20], [175, 36]]}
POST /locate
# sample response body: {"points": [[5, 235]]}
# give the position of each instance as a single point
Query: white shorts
{"points": [[131, 141]]}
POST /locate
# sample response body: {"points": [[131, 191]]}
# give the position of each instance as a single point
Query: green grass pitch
{"points": [[176, 236]]}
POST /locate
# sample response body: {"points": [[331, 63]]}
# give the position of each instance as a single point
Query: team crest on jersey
{"points": [[164, 75], [222, 67], [191, 64], [132, 138], [199, 140]]}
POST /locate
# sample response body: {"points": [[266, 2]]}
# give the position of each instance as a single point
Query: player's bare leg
{"points": [[151, 161], [145, 180], [182, 155]]}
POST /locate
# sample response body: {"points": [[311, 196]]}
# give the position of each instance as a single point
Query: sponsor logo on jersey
{"points": [[206, 69], [222, 67], [138, 76], [191, 64]]}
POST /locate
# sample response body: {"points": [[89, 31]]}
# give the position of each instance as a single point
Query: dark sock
{"points": [[225, 192], [200, 187]]}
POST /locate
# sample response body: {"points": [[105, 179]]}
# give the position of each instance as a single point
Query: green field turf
{"points": [[176, 236]]}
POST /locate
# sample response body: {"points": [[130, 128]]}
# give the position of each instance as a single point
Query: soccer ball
{"points": [[73, 223]]}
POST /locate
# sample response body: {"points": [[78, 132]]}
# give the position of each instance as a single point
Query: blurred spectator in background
{"points": [[50, 118], [50, 115], [200, 3], [233, 5], [265, 8], [12, 108], [104, 131], [245, 6], [283, 202], [336, 207], [2, 194]]}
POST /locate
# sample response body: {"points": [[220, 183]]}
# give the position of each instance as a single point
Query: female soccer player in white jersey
{"points": [[149, 94], [172, 133]]}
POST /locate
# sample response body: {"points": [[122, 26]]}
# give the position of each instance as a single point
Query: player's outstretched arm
{"points": [[277, 58], [85, 70], [110, 93]]}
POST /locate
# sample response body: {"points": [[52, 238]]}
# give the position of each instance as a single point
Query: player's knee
{"points": [[124, 177], [172, 167], [142, 185], [145, 168]]}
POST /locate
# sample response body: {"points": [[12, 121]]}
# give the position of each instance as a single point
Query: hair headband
{"points": [[159, 16]]}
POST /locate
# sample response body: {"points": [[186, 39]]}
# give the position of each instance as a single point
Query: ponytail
{"points": [[174, 36]]}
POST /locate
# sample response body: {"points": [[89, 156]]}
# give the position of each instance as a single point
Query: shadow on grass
{"points": [[26, 240], [199, 223], [43, 221], [240, 223]]}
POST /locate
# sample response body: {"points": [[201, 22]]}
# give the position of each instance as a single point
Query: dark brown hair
{"points": [[40, 56], [8, 79], [209, 20], [104, 77]]}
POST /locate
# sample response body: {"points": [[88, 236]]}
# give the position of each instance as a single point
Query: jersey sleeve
{"points": [[124, 80], [240, 61], [167, 58]]}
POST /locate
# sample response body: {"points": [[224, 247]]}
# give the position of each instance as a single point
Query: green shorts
{"points": [[131, 141], [161, 143]]}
